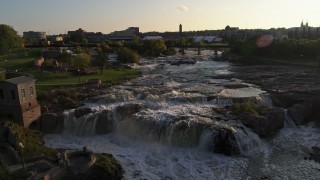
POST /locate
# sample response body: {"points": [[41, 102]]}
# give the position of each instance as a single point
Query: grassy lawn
{"points": [[22, 65], [46, 79]]}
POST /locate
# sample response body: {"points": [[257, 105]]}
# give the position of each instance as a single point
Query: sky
{"points": [[60, 16]]}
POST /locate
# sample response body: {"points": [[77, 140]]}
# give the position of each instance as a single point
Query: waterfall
{"points": [[83, 126], [288, 122], [176, 126], [248, 142]]}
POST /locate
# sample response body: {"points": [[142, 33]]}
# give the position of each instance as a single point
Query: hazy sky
{"points": [[56, 16]]}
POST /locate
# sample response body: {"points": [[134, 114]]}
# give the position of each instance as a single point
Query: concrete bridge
{"points": [[216, 47]]}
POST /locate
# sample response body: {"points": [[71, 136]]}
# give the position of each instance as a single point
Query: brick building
{"points": [[18, 100]]}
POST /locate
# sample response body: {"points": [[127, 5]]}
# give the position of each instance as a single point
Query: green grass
{"points": [[22, 65], [32, 141], [47, 80], [67, 78]]}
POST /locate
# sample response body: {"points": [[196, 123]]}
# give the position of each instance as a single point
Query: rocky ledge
{"points": [[293, 87]]}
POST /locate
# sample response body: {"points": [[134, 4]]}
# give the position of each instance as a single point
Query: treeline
{"points": [[289, 48]]}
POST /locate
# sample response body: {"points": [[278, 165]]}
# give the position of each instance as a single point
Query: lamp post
{"points": [[6, 64], [79, 74], [22, 147]]}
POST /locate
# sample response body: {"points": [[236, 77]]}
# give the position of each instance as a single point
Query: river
{"points": [[162, 125]]}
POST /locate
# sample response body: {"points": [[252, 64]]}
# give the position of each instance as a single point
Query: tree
{"points": [[102, 59], [154, 47], [9, 39], [81, 60], [65, 58], [126, 55]]}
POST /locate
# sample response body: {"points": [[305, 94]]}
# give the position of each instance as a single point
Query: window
{"points": [[31, 90], [1, 94], [23, 93], [13, 94]]}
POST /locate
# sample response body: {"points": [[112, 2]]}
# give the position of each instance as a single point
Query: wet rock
{"points": [[223, 141], [236, 86], [270, 121], [107, 119], [186, 133], [315, 154], [82, 111], [125, 111], [105, 122], [300, 113], [52, 123]]}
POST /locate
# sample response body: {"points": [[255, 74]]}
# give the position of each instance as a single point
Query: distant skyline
{"points": [[58, 16]]}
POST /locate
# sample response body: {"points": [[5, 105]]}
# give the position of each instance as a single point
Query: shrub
{"points": [[126, 55], [171, 51], [246, 107]]}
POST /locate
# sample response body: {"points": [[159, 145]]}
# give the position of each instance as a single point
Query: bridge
{"points": [[216, 47]]}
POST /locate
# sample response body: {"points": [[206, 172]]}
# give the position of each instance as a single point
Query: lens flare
{"points": [[264, 41]]}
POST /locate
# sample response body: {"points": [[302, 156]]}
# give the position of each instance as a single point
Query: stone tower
{"points": [[18, 100]]}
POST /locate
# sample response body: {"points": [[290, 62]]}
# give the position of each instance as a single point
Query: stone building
{"points": [[18, 100]]}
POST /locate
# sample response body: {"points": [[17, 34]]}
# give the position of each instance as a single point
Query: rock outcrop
{"points": [[223, 141], [107, 119], [270, 121], [81, 111], [52, 123], [315, 154]]}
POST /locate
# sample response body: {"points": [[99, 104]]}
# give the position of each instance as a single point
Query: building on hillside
{"points": [[230, 32], [18, 100], [34, 35], [97, 37], [150, 38], [35, 38], [127, 34], [304, 32], [55, 40], [207, 39], [77, 35]]}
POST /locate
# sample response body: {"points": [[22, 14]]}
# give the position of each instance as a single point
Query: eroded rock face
{"points": [[52, 123], [125, 111], [300, 113], [267, 124], [305, 112], [315, 154], [105, 122], [82, 111], [223, 141], [107, 119]]}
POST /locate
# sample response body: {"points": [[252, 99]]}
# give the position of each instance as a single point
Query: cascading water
{"points": [[170, 123], [288, 121]]}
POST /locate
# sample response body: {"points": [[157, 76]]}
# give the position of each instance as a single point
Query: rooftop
{"points": [[20, 80]]}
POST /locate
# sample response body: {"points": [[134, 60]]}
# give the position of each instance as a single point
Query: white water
{"points": [[187, 94], [282, 158]]}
